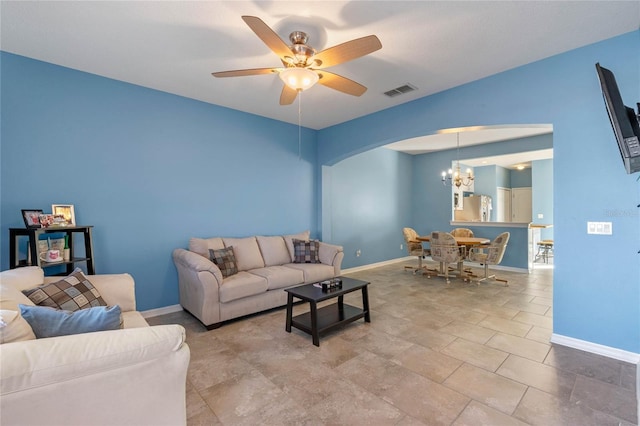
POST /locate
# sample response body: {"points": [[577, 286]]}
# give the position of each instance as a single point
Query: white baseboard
{"points": [[378, 264], [597, 349], [406, 258], [161, 311]]}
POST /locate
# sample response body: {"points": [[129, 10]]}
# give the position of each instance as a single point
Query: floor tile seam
{"points": [[206, 403], [465, 361], [631, 392], [462, 337], [506, 332], [480, 402], [576, 401], [463, 410], [529, 385], [533, 341], [537, 325]]}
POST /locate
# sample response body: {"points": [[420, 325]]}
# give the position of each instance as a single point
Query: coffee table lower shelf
{"points": [[329, 317]]}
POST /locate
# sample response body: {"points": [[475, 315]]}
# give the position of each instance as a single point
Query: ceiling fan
{"points": [[302, 66]]}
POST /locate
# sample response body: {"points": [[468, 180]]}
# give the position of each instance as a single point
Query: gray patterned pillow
{"points": [[71, 293], [306, 251], [225, 259]]}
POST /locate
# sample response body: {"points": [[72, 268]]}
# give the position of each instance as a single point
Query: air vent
{"points": [[400, 90]]}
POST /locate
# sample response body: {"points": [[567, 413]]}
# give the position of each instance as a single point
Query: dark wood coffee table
{"points": [[328, 317]]}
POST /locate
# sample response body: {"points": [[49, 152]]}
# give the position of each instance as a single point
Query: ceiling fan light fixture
{"points": [[299, 78]]}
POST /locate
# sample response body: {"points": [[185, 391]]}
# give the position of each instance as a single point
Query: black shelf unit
{"points": [[34, 235]]}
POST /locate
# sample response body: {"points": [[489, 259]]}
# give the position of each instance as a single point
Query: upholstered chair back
{"points": [[444, 247]]}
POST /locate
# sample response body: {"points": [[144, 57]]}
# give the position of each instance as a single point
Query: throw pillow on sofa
{"points": [[306, 251], [50, 322], [226, 261], [71, 293]]}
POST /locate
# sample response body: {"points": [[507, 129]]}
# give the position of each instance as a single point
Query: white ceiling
{"points": [[173, 46]]}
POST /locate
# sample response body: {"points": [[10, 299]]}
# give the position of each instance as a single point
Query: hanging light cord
{"points": [[299, 124]]}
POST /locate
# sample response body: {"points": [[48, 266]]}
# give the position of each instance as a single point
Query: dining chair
{"points": [[414, 247], [462, 232], [490, 255], [445, 250]]}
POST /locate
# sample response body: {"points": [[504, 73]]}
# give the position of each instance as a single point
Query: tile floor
{"points": [[432, 355]]}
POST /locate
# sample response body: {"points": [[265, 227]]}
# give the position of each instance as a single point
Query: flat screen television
{"points": [[624, 120]]}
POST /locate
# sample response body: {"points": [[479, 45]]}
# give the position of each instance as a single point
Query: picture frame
{"points": [[65, 210], [31, 218]]}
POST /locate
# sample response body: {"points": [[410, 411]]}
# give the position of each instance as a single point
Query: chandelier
{"points": [[454, 177]]}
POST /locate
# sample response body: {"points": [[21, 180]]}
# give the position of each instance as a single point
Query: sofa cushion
{"points": [[288, 239], [50, 322], [274, 250], [306, 251], [14, 328], [71, 293], [203, 245], [246, 251], [240, 285], [280, 276], [313, 272], [226, 261]]}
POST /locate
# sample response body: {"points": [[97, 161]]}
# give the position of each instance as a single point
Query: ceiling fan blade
{"points": [[342, 84], [346, 51], [240, 73], [268, 36], [288, 95]]}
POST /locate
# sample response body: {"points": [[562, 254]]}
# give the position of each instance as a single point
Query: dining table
{"points": [[467, 242]]}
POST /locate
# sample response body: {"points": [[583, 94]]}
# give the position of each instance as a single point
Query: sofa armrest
{"points": [[199, 281], [331, 254], [115, 289], [196, 262], [85, 373]]}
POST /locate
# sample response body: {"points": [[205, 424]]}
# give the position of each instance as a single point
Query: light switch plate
{"points": [[600, 228]]}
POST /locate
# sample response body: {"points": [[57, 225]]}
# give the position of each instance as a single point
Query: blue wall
{"points": [[599, 302], [149, 170], [541, 197], [520, 178], [370, 204]]}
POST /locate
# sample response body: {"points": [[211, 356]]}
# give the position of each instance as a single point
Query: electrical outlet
{"points": [[401, 246], [599, 228], [358, 253], [540, 216]]}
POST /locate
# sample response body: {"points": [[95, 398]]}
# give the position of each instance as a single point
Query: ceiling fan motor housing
{"points": [[299, 47]]}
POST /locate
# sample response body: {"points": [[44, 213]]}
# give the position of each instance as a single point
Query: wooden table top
{"points": [[462, 241]]}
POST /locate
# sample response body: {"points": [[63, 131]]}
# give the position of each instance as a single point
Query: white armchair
{"points": [[131, 376]]}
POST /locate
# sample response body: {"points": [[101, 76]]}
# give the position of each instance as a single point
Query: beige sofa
{"points": [[131, 376], [266, 267]]}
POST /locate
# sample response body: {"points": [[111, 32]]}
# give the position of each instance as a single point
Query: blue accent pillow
{"points": [[50, 322]]}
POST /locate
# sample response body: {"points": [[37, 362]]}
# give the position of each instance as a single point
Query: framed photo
{"points": [[66, 211], [46, 220], [31, 218]]}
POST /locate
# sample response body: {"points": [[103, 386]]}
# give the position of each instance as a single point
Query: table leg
{"points": [[314, 324], [289, 312], [365, 304]]}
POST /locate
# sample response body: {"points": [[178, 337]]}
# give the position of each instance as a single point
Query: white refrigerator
{"points": [[475, 208]]}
